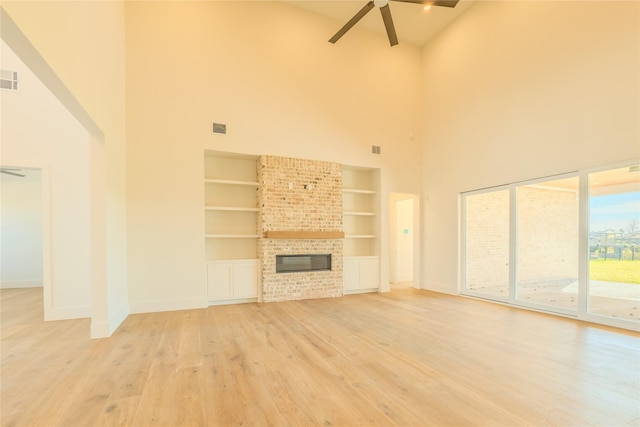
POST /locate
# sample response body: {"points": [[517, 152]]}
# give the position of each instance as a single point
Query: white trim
{"points": [[215, 302], [100, 330], [361, 291], [231, 182], [583, 244], [21, 284], [154, 306], [69, 312], [441, 288], [513, 245], [105, 329]]}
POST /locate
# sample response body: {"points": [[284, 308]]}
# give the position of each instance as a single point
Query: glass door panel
{"points": [[486, 244], [613, 288], [547, 215]]}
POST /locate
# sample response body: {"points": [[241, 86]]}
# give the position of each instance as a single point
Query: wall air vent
{"points": [[9, 80], [219, 128]]}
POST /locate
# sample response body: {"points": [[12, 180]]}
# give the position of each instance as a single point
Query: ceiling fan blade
{"points": [[358, 16], [443, 3], [8, 172], [388, 24]]}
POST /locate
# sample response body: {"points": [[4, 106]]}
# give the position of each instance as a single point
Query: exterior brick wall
{"points": [[487, 244], [299, 195], [547, 237]]}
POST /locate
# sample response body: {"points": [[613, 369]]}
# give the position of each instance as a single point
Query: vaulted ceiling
{"points": [[413, 24]]}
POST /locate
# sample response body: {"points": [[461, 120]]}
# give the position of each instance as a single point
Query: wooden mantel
{"points": [[304, 234]]}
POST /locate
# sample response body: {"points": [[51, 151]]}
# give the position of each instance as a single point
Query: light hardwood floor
{"points": [[403, 358]]}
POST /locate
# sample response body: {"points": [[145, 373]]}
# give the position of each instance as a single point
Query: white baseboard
{"points": [[361, 291], [168, 305], [106, 329], [15, 284], [100, 330], [66, 313], [442, 288]]}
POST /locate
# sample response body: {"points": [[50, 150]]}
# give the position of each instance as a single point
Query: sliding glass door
{"points": [[547, 244], [487, 244], [614, 243], [568, 244]]}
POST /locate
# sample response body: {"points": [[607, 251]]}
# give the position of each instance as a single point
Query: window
{"points": [[525, 244], [614, 243], [486, 244], [547, 244]]}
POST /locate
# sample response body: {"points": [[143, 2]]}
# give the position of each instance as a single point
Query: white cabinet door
{"points": [[369, 273], [232, 280], [350, 274], [245, 280], [219, 279], [360, 273]]}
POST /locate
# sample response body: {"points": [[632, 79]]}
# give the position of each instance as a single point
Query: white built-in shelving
{"points": [[230, 210], [361, 219]]}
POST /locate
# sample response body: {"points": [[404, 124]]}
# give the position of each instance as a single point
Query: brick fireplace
{"points": [[300, 213]]}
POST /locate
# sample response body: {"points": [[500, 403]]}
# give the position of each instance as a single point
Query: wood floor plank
{"points": [[403, 358]]}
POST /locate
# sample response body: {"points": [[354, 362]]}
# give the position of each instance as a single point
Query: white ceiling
{"points": [[413, 24]]}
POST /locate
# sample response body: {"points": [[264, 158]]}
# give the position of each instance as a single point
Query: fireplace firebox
{"points": [[300, 263]]}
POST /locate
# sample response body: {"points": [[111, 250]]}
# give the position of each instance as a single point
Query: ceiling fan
{"points": [[383, 5], [13, 172]]}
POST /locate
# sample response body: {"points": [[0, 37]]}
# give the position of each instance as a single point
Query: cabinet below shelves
{"points": [[361, 274], [232, 281]]}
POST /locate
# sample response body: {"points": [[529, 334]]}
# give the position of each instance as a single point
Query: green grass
{"points": [[615, 271]]}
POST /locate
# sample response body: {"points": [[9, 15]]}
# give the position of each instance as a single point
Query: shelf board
{"points": [[359, 213], [231, 182], [360, 236], [231, 236], [357, 191], [304, 234], [230, 209]]}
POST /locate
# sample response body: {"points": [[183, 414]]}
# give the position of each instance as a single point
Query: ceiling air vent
{"points": [[9, 80]]}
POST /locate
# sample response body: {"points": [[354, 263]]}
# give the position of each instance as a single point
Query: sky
{"points": [[614, 211]]}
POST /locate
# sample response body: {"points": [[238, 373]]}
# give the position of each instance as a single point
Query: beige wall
{"points": [[58, 146], [521, 90], [83, 42], [267, 71]]}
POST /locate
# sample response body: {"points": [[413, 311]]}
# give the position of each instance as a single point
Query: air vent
{"points": [[219, 128], [375, 149], [9, 80]]}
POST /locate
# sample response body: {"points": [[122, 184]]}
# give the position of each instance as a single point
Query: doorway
{"points": [[23, 237], [403, 240]]}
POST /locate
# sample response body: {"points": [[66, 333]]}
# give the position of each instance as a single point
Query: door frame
{"points": [[394, 198], [45, 200]]}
